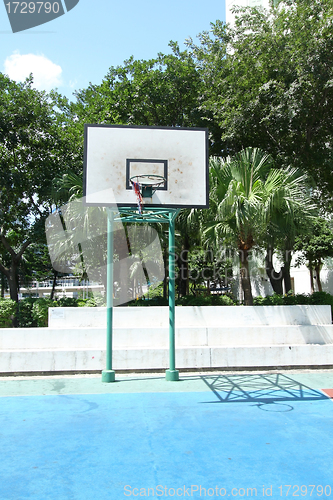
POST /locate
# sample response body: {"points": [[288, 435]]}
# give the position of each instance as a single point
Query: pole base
{"points": [[108, 376], [172, 375]]}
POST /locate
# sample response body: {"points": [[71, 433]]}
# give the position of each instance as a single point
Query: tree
{"points": [[208, 268], [246, 195], [164, 91], [315, 247], [268, 84], [33, 151], [236, 188]]}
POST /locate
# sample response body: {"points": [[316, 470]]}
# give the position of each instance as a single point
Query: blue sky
{"points": [[80, 46]]}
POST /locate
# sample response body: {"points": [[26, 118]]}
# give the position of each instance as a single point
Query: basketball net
{"points": [[136, 189]]}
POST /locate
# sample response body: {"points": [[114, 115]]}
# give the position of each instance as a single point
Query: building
{"points": [[69, 286]]}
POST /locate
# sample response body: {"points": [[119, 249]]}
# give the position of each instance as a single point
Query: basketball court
{"points": [[206, 436]]}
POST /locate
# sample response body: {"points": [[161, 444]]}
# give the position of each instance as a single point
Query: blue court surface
{"points": [[206, 436]]}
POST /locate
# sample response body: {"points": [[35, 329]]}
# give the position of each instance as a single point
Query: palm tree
{"points": [[246, 195], [67, 188]]}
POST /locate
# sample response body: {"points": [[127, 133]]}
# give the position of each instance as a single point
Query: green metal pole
{"points": [[172, 374], [108, 375]]}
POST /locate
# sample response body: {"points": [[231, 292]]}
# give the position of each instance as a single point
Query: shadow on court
{"points": [[260, 389]]}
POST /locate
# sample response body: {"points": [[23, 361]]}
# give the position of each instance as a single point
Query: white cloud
{"points": [[47, 75]]}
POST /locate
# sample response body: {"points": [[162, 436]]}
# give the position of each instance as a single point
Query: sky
{"points": [[79, 47]]}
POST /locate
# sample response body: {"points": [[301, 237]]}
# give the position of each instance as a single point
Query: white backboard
{"points": [[114, 154]]}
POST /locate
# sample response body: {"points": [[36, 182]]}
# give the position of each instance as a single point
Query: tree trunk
{"points": [[311, 277], [274, 277], [3, 280], [145, 272], [183, 275], [245, 277], [13, 288], [11, 272], [55, 275], [183, 288], [286, 271], [12, 281], [12, 278], [317, 269]]}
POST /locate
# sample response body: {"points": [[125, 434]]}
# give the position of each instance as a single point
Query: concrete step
{"points": [[66, 360]]}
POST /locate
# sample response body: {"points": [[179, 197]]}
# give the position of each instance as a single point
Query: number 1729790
{"points": [[32, 7], [304, 490]]}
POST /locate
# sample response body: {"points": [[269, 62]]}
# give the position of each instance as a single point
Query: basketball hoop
{"points": [[145, 186]]}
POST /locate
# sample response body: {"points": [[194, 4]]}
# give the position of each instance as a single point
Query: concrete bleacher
{"points": [[206, 337]]}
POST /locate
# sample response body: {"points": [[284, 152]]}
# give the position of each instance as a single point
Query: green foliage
{"points": [[276, 299], [292, 300], [268, 83], [36, 264], [7, 311], [67, 302], [34, 149], [40, 311], [34, 312], [97, 300], [90, 303], [248, 194], [144, 302], [321, 298], [209, 300], [209, 264], [317, 244], [154, 292], [317, 298], [237, 196], [100, 300], [82, 302], [270, 300], [164, 91], [25, 313], [248, 198], [188, 300]]}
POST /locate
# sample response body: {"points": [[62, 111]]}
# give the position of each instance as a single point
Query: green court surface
{"points": [[210, 435]]}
